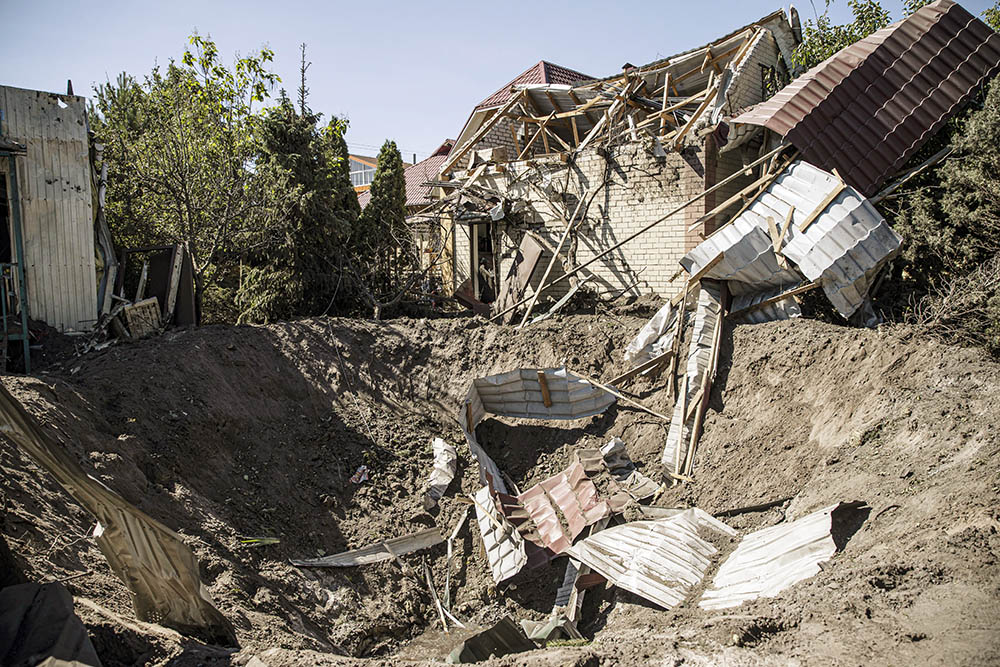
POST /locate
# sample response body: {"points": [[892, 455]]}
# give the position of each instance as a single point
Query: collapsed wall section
{"points": [[634, 187]]}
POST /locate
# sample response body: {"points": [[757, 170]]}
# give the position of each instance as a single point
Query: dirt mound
{"points": [[226, 433]]}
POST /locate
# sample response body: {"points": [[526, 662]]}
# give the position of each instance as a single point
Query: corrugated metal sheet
{"points": [[377, 553], [866, 110], [624, 472], [519, 394], [843, 248], [54, 179], [785, 309], [768, 561], [699, 358], [504, 545], [659, 560], [154, 563]]}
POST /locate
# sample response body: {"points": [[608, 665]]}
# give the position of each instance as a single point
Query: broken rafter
{"points": [[645, 229], [481, 132]]}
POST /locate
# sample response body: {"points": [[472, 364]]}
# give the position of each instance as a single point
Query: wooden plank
{"points": [[822, 206], [675, 349], [481, 132], [644, 229], [513, 135], [520, 274], [544, 383], [641, 368], [622, 397], [539, 131], [775, 299], [772, 229], [173, 284], [666, 89], [712, 90], [576, 132], [784, 229]]}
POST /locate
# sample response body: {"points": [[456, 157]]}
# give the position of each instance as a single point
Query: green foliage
{"points": [[384, 238], [177, 146], [307, 218], [821, 38], [991, 16]]}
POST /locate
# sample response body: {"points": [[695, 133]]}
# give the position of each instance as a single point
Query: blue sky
{"points": [[406, 71]]}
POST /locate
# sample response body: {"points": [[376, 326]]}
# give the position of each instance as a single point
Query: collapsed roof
{"points": [[868, 108]]}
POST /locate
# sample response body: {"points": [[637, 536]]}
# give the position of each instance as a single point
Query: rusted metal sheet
{"points": [[659, 560], [868, 108], [768, 561]]}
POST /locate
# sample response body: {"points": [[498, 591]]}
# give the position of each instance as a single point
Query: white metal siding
{"points": [[57, 218]]}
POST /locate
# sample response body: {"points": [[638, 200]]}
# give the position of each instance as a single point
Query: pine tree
{"points": [[383, 223]]}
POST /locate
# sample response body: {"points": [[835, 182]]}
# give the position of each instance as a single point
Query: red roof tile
{"points": [[416, 175], [542, 72]]}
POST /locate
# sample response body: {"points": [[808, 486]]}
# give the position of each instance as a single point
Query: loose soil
{"points": [[225, 433]]}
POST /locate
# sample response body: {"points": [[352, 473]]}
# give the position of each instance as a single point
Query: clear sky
{"points": [[408, 71]]}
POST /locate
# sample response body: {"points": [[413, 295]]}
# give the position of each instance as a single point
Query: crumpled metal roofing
{"points": [[699, 358], [868, 108], [843, 248], [375, 553], [518, 393], [442, 473], [654, 338], [658, 560], [504, 545], [158, 568], [785, 309], [768, 561]]}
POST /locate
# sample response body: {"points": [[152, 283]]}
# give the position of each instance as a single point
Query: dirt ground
{"points": [[225, 433]]}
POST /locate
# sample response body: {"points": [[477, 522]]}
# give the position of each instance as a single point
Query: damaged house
{"points": [[605, 158]]}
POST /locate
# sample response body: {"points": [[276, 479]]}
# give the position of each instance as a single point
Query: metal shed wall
{"points": [[56, 204]]}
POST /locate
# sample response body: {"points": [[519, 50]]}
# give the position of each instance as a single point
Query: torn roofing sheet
{"points": [[504, 545], [868, 108], [443, 472], [699, 359], [377, 552], [843, 247], [654, 338], [657, 560], [158, 568], [768, 561], [519, 394], [617, 460], [784, 309]]}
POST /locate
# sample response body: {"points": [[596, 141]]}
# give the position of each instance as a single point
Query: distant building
{"points": [[362, 171]]}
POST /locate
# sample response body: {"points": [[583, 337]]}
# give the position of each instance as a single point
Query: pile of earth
{"points": [[227, 433]]}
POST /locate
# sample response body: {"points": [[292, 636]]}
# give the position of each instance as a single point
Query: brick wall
{"points": [[641, 189]]}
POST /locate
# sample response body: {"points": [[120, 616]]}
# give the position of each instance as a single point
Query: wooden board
{"points": [[516, 282]]}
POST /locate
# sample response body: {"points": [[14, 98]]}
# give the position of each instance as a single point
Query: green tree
{"points": [[178, 145], [384, 239], [991, 16], [821, 38]]}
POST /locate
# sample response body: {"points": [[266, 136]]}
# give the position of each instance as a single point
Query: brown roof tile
{"points": [[868, 108], [541, 72]]}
